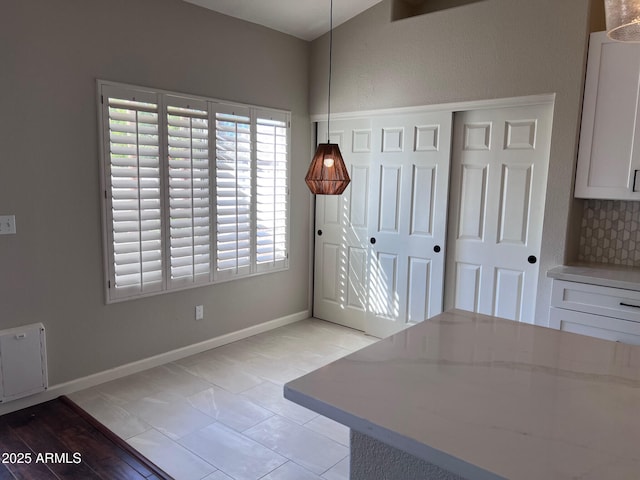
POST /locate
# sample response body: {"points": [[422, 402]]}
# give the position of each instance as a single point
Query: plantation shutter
{"points": [[189, 221], [132, 174], [233, 191], [272, 147], [195, 190]]}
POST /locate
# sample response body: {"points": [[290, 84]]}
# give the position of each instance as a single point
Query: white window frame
{"points": [[162, 98]]}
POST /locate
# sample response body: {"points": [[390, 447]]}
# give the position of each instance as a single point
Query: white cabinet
{"points": [[596, 326], [603, 312], [609, 152]]}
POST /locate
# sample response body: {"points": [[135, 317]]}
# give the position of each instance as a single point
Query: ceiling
{"points": [[305, 19]]}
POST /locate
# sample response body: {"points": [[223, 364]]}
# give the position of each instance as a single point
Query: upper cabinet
{"points": [[609, 152]]}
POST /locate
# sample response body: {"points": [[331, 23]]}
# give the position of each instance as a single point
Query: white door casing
{"points": [[498, 189]]}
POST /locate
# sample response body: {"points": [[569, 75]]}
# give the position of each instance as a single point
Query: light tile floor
{"points": [[221, 415]]}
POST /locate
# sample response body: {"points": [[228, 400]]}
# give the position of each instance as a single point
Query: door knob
{"points": [[320, 233], [373, 240], [532, 259], [437, 249]]}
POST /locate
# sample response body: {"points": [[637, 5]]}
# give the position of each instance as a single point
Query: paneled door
{"points": [[407, 220], [380, 247], [498, 188], [340, 270]]}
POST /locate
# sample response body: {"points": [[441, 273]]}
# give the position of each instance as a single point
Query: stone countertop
{"points": [[488, 398], [616, 276]]}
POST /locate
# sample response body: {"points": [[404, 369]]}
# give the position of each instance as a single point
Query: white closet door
{"points": [[340, 293], [498, 189], [407, 219]]}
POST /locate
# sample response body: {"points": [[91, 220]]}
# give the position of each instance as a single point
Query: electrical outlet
{"points": [[7, 224], [199, 312]]}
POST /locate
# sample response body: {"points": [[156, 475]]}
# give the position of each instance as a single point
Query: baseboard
{"points": [[130, 368]]}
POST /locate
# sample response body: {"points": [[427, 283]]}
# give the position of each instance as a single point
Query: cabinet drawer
{"points": [[595, 325], [583, 297]]}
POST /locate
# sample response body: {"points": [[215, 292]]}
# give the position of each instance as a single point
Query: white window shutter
{"points": [[133, 183], [233, 192], [196, 190], [189, 233], [272, 190]]}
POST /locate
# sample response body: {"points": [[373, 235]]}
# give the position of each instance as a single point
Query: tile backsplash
{"points": [[610, 232]]}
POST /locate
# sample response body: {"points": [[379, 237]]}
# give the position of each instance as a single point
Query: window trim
{"points": [[214, 105]]}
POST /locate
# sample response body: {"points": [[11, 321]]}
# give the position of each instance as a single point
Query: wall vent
{"points": [[23, 362]]}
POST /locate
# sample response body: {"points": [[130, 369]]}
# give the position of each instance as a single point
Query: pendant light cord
{"points": [[330, 55]]}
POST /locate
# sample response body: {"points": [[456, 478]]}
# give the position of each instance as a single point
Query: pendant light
{"points": [[327, 173], [623, 20]]}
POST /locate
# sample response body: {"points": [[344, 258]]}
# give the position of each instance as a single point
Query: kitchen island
{"points": [[477, 397]]}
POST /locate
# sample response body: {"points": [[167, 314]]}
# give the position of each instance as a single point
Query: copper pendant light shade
{"points": [[327, 173]]}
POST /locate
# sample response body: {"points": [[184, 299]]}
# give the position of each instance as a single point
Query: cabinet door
{"points": [[609, 152]]}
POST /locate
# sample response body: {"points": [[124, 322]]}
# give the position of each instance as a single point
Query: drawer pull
{"points": [[629, 305]]}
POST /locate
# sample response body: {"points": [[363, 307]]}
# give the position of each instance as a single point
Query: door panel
{"points": [[422, 192], [508, 293], [330, 206], [358, 196], [418, 298], [499, 177], [340, 294], [389, 199], [515, 200], [383, 291], [330, 272], [467, 282], [357, 292], [473, 199], [407, 224]]}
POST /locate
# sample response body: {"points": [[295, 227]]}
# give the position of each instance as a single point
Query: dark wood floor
{"points": [[58, 440]]}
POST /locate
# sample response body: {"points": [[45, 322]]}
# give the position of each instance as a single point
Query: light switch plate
{"points": [[7, 224], [199, 312]]}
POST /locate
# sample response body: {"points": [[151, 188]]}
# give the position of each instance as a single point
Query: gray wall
{"points": [[490, 49], [52, 52]]}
